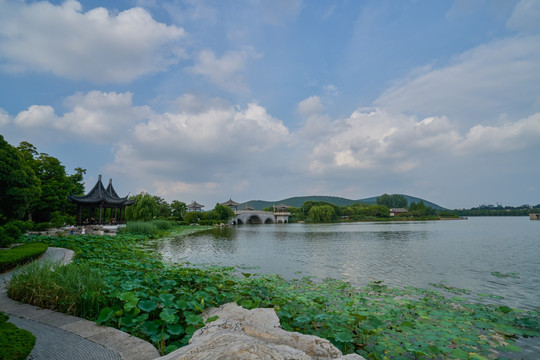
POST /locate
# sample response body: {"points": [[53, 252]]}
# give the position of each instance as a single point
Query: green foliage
{"points": [[179, 209], [164, 210], [9, 234], [192, 217], [392, 201], [75, 289], [20, 187], [163, 303], [223, 213], [139, 228], [43, 226], [338, 201], [163, 224], [145, 208], [15, 343], [322, 213], [59, 219], [10, 258]]}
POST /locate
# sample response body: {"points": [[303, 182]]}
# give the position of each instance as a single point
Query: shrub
{"points": [[20, 254], [24, 226], [12, 230], [58, 219], [15, 343], [5, 239], [43, 226], [163, 224]]}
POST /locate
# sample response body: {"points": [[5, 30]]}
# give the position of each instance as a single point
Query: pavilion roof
{"points": [[195, 205], [230, 202], [99, 195], [281, 206]]}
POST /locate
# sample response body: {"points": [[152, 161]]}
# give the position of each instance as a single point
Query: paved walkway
{"points": [[60, 336]]}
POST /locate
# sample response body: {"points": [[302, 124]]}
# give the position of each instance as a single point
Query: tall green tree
{"points": [[179, 209], [322, 213], [392, 201], [19, 185], [145, 208], [56, 185], [55, 188], [223, 213], [164, 208]]}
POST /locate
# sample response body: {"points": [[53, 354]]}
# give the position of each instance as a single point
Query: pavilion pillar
{"points": [[100, 213]]}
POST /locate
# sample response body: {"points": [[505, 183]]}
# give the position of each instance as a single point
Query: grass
{"points": [[15, 343], [10, 258], [75, 289]]}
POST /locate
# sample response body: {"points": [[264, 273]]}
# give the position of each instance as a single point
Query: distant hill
{"points": [[339, 201]]}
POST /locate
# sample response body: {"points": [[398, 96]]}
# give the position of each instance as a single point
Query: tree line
{"points": [[324, 212], [34, 190]]}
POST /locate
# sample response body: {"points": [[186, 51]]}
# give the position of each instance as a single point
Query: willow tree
{"points": [[145, 208]]}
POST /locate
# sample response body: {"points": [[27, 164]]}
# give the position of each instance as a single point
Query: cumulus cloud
{"points": [[499, 77], [376, 139], [96, 117], [224, 139], [509, 137], [225, 71], [96, 45]]}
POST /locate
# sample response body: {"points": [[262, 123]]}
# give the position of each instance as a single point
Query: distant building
{"points": [[195, 206], [397, 211], [232, 204]]}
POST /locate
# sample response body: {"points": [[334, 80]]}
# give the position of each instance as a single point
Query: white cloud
{"points": [[216, 131], [508, 137], [96, 116], [96, 45], [310, 106], [36, 117], [379, 140], [499, 77], [183, 190], [5, 119], [225, 71], [526, 16]]}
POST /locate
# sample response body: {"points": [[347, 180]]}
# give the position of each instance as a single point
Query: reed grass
{"points": [[140, 228], [75, 289]]}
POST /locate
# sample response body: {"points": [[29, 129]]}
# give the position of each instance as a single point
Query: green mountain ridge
{"points": [[336, 200]]}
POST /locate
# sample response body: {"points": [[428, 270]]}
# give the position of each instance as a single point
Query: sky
{"points": [[269, 99]]}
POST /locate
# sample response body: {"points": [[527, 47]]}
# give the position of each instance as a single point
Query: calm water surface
{"points": [[460, 253]]}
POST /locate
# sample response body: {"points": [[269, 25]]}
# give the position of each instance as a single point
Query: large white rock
{"points": [[242, 334]]}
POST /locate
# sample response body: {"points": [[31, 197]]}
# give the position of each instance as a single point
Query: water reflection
{"points": [[463, 254]]}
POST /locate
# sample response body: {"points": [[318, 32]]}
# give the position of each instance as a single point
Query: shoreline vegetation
{"points": [[117, 282]]}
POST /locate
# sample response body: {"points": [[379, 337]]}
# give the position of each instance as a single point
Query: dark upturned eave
{"points": [[101, 196]]}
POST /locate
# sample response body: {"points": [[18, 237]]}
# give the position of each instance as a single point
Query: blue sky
{"points": [[267, 99]]}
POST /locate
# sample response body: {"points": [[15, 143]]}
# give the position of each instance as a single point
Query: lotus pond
{"points": [[122, 284]]}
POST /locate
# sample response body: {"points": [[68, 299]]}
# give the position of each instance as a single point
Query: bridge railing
{"points": [[239, 212]]}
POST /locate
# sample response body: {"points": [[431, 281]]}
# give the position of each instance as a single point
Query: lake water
{"points": [[460, 253]]}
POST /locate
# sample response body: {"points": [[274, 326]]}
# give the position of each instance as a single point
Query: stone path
{"points": [[60, 336]]}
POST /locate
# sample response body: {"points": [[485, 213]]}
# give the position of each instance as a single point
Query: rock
{"points": [[242, 334]]}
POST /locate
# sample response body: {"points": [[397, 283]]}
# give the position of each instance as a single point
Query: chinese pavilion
{"points": [[102, 198]]}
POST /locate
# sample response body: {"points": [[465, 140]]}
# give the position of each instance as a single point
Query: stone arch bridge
{"points": [[260, 217]]}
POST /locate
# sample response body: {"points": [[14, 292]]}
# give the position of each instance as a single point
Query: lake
{"points": [[490, 255]]}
